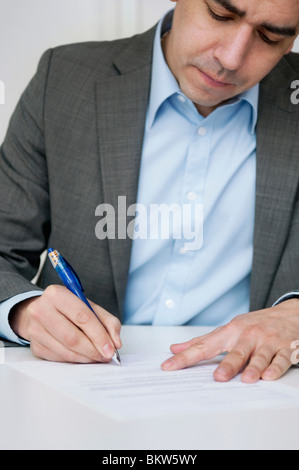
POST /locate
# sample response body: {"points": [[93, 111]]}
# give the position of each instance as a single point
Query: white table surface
{"points": [[34, 416]]}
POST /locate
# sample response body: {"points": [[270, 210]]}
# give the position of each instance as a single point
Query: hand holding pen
{"points": [[62, 328], [73, 283]]}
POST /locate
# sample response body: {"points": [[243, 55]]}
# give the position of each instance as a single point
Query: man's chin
{"points": [[204, 96], [208, 103]]}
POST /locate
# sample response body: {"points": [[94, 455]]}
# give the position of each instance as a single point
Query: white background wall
{"points": [[29, 27]]}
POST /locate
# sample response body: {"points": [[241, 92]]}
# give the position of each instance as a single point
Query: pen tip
{"points": [[117, 358]]}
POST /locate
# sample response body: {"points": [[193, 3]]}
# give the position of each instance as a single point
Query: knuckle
{"points": [[71, 340], [253, 331], [236, 319], [285, 355], [240, 353], [51, 292], [34, 331], [115, 323], [82, 316], [261, 357], [198, 347], [279, 370], [239, 324], [34, 311], [35, 315], [233, 328]]}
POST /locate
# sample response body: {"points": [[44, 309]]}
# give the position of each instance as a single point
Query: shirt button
{"points": [[191, 196], [202, 131], [181, 98], [169, 303]]}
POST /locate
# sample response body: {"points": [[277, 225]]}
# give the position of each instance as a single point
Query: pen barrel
{"points": [[75, 290], [73, 287], [69, 277]]}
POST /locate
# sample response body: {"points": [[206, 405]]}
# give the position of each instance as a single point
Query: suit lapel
{"points": [[277, 179], [121, 111]]}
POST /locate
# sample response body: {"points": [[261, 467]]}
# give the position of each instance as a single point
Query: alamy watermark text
{"points": [[295, 94], [154, 222]]}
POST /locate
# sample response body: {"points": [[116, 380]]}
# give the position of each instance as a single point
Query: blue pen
{"points": [[71, 280]]}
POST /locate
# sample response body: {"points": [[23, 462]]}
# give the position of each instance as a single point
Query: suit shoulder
{"points": [[88, 55], [293, 60]]}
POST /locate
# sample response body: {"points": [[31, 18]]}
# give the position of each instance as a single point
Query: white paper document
{"points": [[140, 389]]}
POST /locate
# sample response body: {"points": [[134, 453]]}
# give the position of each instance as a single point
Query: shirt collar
{"points": [[252, 97], [164, 84]]}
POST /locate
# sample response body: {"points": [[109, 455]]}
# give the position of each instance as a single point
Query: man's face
{"points": [[219, 48]]}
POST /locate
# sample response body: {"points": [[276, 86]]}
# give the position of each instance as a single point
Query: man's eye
{"points": [[218, 17], [267, 40]]}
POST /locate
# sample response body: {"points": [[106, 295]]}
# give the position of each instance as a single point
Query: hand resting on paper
{"points": [[258, 344]]}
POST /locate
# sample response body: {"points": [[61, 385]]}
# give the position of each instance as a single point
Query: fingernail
{"points": [[222, 373], [168, 364], [108, 351], [269, 374]]}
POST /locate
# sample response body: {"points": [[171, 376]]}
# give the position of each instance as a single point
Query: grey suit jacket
{"points": [[75, 141]]}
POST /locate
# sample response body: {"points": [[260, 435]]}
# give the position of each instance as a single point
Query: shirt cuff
{"points": [[288, 296], [5, 307]]}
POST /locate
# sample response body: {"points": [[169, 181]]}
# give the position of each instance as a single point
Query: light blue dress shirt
{"points": [[188, 159]]}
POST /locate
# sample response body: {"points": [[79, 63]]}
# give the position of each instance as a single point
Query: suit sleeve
{"points": [[24, 201]]}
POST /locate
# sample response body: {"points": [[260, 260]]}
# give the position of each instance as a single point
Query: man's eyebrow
{"points": [[232, 8], [280, 30]]}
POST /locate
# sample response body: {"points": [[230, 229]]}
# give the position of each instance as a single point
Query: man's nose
{"points": [[234, 48]]}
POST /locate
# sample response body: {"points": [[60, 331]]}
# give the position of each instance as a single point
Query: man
{"points": [[202, 116]]}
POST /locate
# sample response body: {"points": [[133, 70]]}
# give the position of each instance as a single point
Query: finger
{"points": [[279, 365], [111, 324], [47, 323], [200, 350], [233, 362], [259, 361], [70, 336], [42, 352], [179, 347], [80, 315], [51, 350], [57, 334]]}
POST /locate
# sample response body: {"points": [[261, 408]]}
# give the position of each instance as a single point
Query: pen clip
{"points": [[76, 277]]}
